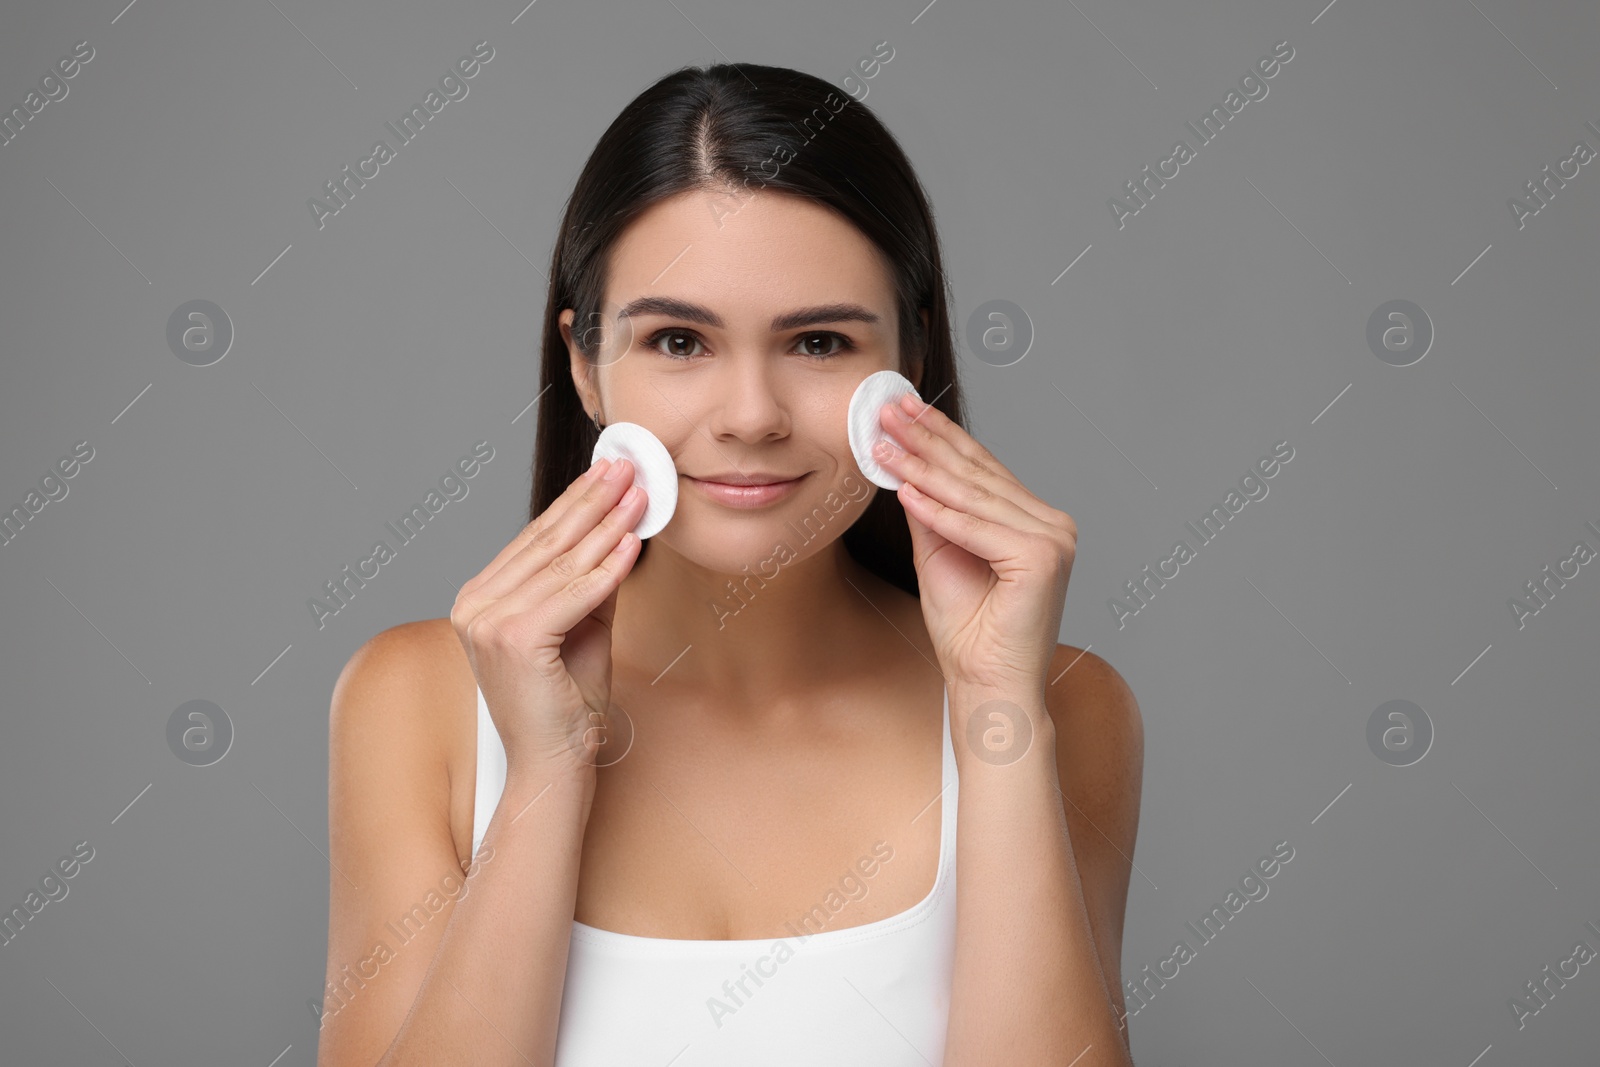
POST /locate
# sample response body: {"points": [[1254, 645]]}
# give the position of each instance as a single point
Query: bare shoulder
{"points": [[401, 698], [1099, 727], [425, 653], [392, 823]]}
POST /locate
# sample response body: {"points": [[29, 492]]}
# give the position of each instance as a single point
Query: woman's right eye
{"points": [[678, 335]]}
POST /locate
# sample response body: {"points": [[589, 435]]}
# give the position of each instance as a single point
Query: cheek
{"points": [[825, 423], [831, 444], [851, 493]]}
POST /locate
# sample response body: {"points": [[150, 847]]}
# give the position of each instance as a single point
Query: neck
{"points": [[753, 638]]}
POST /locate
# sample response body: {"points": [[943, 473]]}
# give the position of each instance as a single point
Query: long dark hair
{"points": [[724, 127]]}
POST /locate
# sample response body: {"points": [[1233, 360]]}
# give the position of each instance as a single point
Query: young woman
{"points": [[695, 800]]}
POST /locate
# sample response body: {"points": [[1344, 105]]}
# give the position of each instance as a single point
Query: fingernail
{"points": [[614, 472], [883, 450], [598, 468]]}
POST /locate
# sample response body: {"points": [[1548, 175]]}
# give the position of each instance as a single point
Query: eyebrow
{"points": [[790, 320]]}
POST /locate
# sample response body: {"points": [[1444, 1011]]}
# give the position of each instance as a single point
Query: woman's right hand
{"points": [[536, 622]]}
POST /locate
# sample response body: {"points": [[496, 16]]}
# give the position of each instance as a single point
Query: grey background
{"points": [[1228, 315]]}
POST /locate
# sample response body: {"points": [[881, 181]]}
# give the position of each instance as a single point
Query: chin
{"points": [[754, 543]]}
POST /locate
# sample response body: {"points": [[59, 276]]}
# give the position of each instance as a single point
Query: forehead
{"points": [[747, 255]]}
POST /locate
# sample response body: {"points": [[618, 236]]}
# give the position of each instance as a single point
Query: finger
{"points": [[590, 511], [925, 540], [581, 596], [548, 595], [970, 496], [558, 507], [988, 540], [569, 566], [556, 533], [929, 431], [925, 415], [947, 445]]}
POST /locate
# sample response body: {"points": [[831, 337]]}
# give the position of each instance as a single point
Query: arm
{"points": [[1045, 845], [476, 975], [1100, 758]]}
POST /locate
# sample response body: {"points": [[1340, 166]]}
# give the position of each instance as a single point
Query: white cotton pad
{"points": [[653, 471], [875, 391]]}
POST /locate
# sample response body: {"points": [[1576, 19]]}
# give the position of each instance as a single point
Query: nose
{"points": [[744, 403]]}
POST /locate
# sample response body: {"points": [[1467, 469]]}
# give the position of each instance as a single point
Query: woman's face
{"points": [[735, 329]]}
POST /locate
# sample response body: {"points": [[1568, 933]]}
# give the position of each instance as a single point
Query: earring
{"points": [[595, 418]]}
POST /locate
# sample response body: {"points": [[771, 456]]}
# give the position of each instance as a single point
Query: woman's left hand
{"points": [[992, 559]]}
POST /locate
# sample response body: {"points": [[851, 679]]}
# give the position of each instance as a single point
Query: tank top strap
{"points": [[950, 781], [491, 774]]}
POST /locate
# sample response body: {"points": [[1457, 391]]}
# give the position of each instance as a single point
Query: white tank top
{"points": [[873, 995]]}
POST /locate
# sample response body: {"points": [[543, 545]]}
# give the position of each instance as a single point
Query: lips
{"points": [[757, 478], [751, 494]]}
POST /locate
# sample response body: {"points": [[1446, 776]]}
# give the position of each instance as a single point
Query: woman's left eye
{"points": [[844, 344]]}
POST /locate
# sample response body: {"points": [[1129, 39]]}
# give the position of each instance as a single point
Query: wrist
{"points": [[548, 783], [1026, 693], [1001, 730]]}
